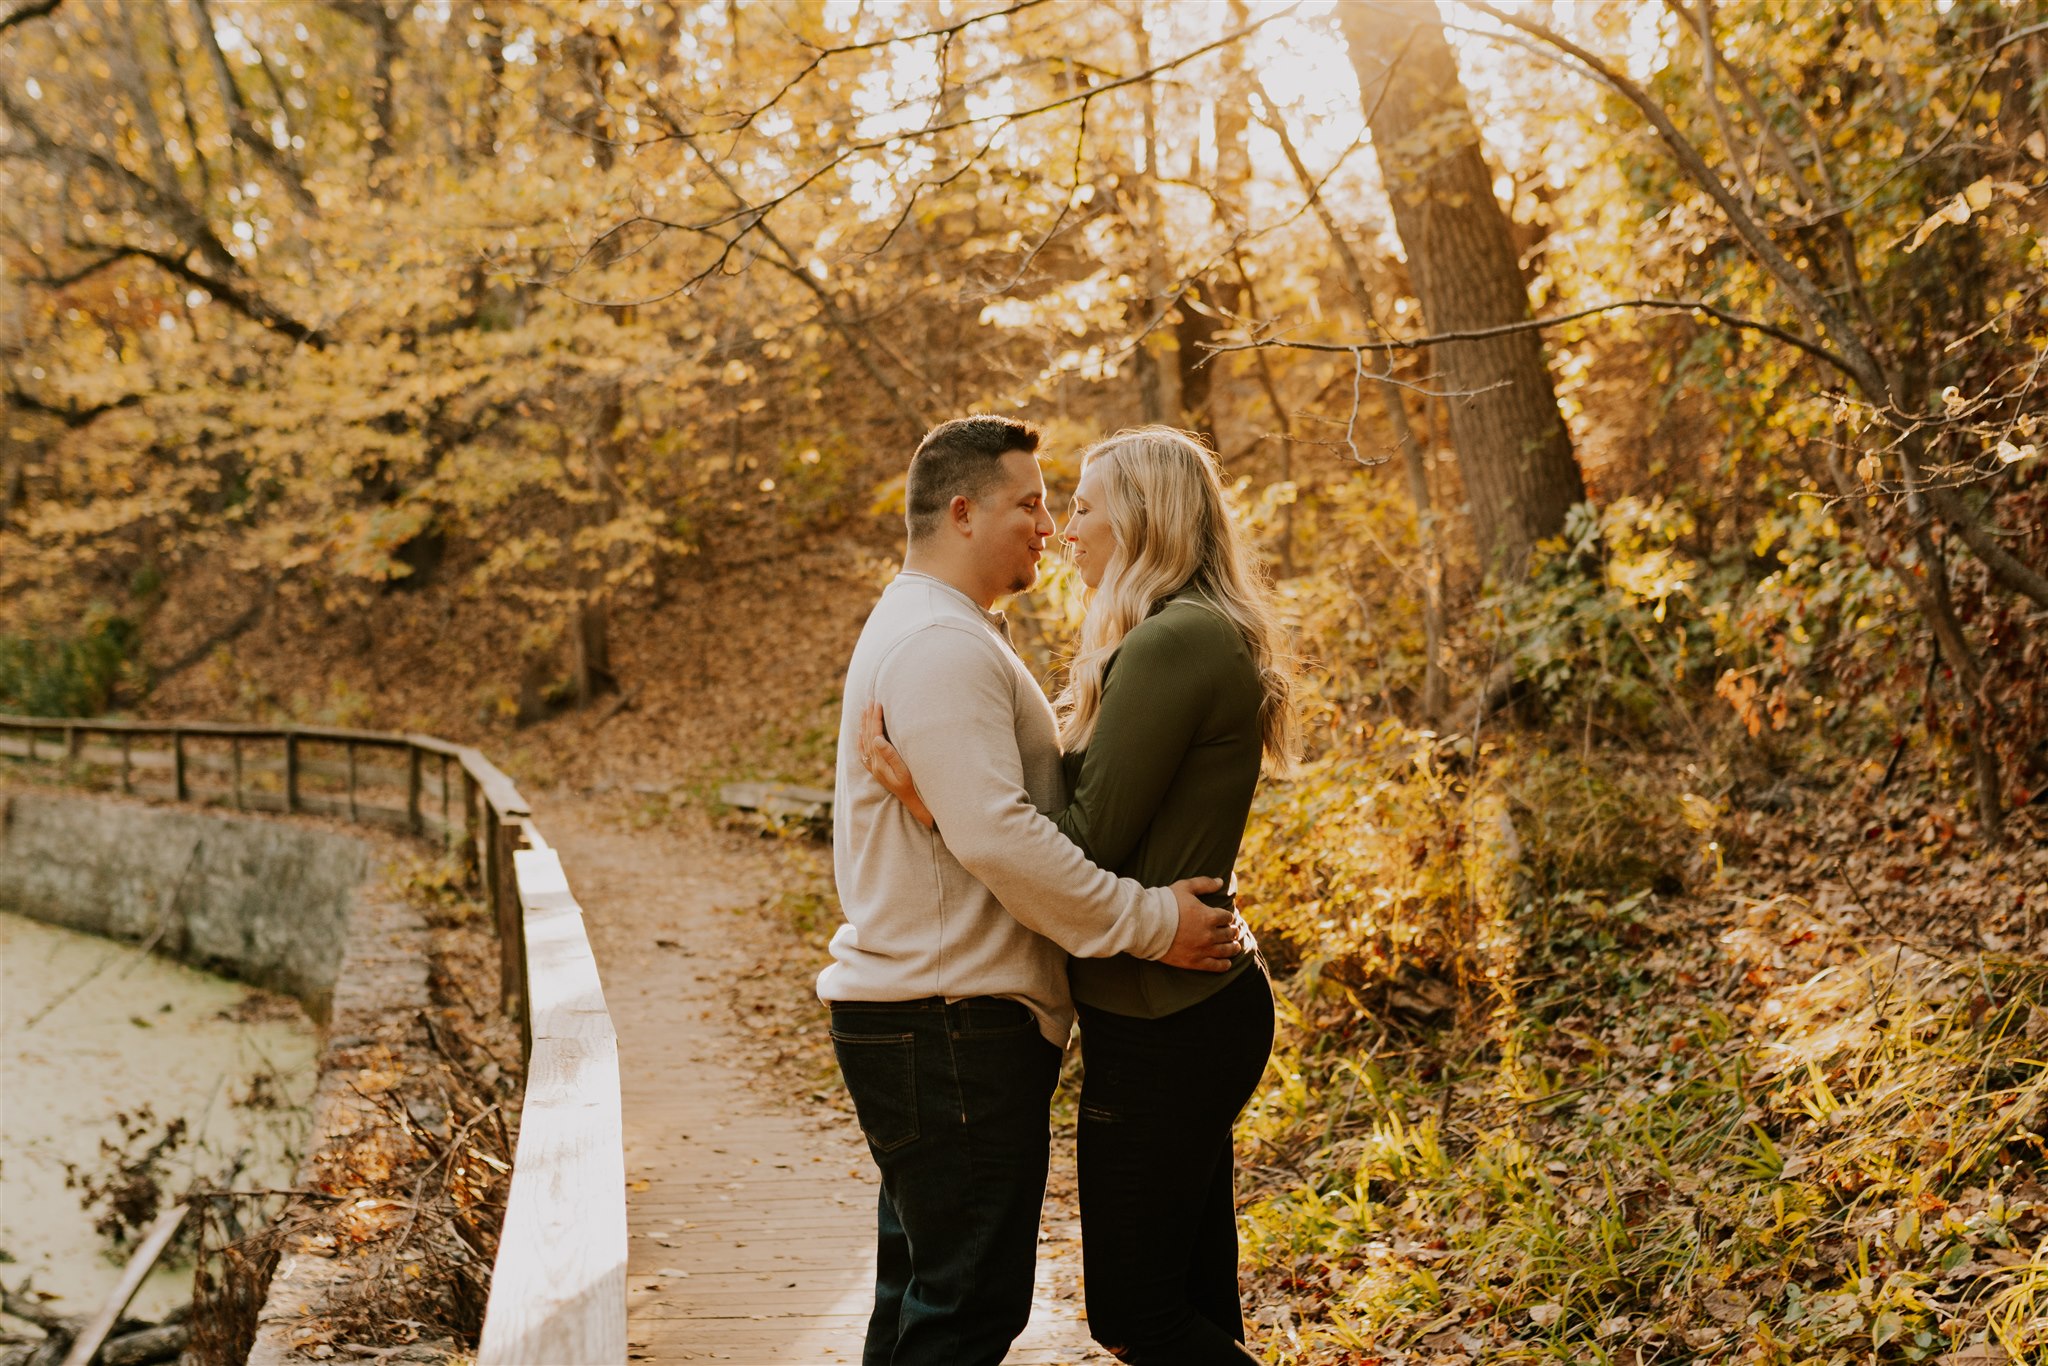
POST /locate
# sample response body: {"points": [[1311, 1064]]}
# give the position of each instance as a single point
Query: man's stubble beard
{"points": [[1024, 582]]}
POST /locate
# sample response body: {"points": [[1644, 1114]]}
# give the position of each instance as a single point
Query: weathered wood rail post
{"points": [[558, 1288], [413, 823]]}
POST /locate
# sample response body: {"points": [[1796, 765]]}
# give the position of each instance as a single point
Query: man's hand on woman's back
{"points": [[1209, 938]]}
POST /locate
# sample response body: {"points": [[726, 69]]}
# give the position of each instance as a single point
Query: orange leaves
{"points": [[1740, 689]]}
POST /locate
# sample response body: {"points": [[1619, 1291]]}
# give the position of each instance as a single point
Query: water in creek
{"points": [[91, 1030]]}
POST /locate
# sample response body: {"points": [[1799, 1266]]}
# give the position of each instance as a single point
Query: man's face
{"points": [[1011, 524]]}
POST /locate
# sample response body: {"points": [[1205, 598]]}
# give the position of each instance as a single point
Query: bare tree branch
{"points": [[1961, 118], [1855, 358], [34, 9], [1059, 221], [251, 306], [853, 333], [745, 208], [1536, 324], [1702, 23], [820, 55], [70, 414], [1822, 208], [84, 272], [242, 125], [164, 203], [2010, 570]]}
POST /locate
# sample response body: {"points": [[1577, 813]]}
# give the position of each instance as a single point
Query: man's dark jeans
{"points": [[954, 1101], [1158, 1209]]}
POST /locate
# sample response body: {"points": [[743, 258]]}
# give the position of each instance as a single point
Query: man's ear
{"points": [[960, 514]]}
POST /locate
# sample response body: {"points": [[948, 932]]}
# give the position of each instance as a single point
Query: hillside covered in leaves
{"points": [[1639, 407]]}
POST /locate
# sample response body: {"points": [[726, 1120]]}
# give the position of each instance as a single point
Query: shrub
{"points": [[1606, 628], [73, 673], [1380, 860]]}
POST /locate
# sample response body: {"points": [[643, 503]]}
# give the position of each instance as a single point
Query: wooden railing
{"points": [[558, 1289]]}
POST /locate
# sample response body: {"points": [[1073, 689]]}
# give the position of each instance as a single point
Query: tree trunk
{"points": [[492, 95], [590, 648], [13, 488], [384, 20], [584, 54], [1515, 452], [1152, 404]]}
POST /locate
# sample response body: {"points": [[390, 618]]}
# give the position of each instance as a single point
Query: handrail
{"points": [[558, 1287]]}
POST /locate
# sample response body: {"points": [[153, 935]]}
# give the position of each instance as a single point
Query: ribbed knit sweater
{"points": [[992, 901]]}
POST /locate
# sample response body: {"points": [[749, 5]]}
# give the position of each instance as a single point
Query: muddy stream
{"points": [[101, 1043]]}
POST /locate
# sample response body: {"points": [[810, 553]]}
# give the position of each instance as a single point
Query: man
{"points": [[948, 984]]}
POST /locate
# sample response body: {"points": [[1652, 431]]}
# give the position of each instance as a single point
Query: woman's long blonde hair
{"points": [[1163, 497]]}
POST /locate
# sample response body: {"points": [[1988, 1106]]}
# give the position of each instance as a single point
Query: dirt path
{"points": [[750, 1194]]}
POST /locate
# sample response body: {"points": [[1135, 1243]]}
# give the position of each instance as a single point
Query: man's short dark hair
{"points": [[961, 458]]}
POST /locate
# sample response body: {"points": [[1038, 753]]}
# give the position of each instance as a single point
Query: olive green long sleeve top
{"points": [[1164, 786]]}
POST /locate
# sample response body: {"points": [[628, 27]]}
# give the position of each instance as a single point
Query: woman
{"points": [[1177, 691]]}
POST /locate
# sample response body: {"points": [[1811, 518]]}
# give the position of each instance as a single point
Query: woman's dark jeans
{"points": [[1158, 1209], [955, 1102]]}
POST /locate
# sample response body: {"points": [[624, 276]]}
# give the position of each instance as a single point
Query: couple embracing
{"points": [[1006, 863]]}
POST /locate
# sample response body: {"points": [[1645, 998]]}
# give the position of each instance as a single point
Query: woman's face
{"points": [[1088, 535]]}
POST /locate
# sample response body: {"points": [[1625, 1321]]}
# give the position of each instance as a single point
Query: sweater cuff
{"points": [[1166, 908]]}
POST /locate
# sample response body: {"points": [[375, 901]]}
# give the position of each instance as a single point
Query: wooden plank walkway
{"points": [[751, 1215]]}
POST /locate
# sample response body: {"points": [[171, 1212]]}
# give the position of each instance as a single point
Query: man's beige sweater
{"points": [[992, 901]]}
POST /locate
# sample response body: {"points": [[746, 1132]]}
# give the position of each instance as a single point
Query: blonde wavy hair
{"points": [[1163, 496]]}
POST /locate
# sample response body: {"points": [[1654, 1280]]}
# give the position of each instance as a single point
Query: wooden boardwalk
{"points": [[751, 1216]]}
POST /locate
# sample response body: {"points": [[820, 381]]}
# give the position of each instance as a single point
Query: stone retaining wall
{"points": [[263, 901]]}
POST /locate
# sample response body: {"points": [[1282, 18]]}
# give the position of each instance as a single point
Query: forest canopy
{"points": [[326, 292]]}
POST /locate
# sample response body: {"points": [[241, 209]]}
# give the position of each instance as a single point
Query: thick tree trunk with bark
{"points": [[1513, 449], [385, 20]]}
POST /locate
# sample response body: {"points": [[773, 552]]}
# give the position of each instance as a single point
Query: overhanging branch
{"points": [[251, 306], [70, 414], [819, 55], [34, 9], [750, 211], [1721, 315], [1855, 359]]}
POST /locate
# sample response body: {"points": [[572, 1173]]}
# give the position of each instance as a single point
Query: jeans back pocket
{"points": [[881, 1075]]}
